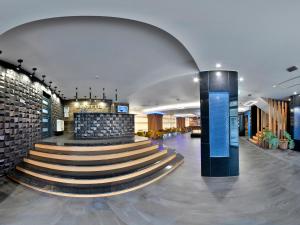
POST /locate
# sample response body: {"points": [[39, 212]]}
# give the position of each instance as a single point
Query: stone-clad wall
{"points": [[103, 125], [57, 112], [20, 117]]}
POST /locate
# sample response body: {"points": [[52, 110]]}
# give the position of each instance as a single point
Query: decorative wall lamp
{"points": [[33, 72], [20, 61]]}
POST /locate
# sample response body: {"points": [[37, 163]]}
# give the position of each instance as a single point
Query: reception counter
{"points": [[103, 125]]}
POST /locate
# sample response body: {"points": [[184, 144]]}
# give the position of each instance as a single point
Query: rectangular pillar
{"points": [[155, 122], [219, 119]]}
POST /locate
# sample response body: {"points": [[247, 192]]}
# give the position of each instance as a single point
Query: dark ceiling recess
{"points": [[292, 68]]}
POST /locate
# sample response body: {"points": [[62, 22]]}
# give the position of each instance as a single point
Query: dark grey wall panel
{"points": [[103, 125], [20, 117]]}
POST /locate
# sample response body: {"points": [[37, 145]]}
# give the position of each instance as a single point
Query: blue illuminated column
{"points": [[294, 120], [219, 120]]}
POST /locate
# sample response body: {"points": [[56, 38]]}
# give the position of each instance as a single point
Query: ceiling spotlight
{"points": [[33, 73], [0, 52], [50, 82], [218, 73], [295, 92], [241, 79], [43, 76], [218, 65], [20, 61], [274, 86], [196, 79]]}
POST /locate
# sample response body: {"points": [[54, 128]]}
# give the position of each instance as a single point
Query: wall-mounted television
{"points": [[122, 109]]}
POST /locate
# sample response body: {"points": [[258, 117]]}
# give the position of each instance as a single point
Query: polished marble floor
{"points": [[266, 193]]}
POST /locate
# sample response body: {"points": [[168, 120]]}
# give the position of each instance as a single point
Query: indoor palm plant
{"points": [[271, 139], [287, 141]]}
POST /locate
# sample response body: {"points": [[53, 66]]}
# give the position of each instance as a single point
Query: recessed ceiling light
{"points": [[295, 92], [196, 79], [241, 79], [218, 73], [218, 65], [274, 86]]}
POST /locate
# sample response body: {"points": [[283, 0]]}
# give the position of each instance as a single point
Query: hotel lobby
{"points": [[143, 112]]}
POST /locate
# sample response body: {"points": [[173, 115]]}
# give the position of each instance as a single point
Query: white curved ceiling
{"points": [[100, 52], [258, 38]]}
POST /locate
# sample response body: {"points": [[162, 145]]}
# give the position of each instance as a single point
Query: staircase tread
{"points": [[106, 180], [101, 191], [89, 168]]}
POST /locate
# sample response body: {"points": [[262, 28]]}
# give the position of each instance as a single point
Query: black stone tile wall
{"points": [[20, 117], [57, 112], [103, 125]]}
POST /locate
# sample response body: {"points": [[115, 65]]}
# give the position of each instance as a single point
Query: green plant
{"points": [[290, 140], [271, 138]]}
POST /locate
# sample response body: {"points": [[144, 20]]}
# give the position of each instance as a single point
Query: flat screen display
{"points": [[122, 109]]}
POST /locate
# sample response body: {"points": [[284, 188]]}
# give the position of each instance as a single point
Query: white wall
{"points": [[140, 122], [169, 121]]}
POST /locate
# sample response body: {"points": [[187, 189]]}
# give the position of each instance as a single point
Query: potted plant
{"points": [[271, 139], [287, 141]]}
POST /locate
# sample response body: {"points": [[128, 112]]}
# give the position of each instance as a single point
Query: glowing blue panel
{"points": [[219, 124], [297, 123]]}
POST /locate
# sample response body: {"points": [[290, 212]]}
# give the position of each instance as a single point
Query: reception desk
{"points": [[103, 125]]}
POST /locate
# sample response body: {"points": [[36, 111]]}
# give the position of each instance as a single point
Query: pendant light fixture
{"points": [[90, 94], [103, 94], [116, 95], [76, 95]]}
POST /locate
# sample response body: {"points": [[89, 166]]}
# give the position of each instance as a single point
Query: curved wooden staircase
{"points": [[94, 171]]}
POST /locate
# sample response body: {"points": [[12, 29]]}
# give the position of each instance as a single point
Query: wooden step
{"points": [[102, 181], [101, 191], [92, 159], [103, 169], [90, 149], [253, 141]]}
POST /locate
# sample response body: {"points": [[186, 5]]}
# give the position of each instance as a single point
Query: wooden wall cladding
{"points": [[20, 117], [180, 122], [155, 122]]}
